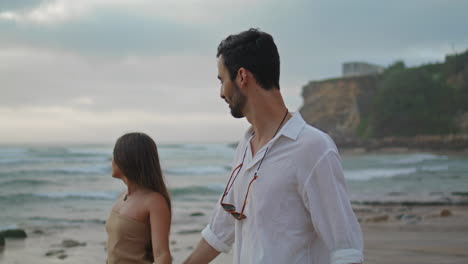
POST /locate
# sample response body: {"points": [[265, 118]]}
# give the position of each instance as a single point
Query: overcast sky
{"points": [[90, 70]]}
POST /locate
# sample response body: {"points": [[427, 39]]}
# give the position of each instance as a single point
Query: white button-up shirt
{"points": [[298, 210]]}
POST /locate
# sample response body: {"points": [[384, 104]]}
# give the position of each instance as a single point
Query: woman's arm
{"points": [[160, 221], [204, 253]]}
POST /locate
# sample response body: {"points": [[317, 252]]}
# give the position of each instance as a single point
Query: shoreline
{"points": [[414, 234], [65, 199], [455, 143], [401, 150], [410, 203]]}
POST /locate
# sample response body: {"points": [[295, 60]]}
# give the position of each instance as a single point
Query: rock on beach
{"points": [[13, 233]]}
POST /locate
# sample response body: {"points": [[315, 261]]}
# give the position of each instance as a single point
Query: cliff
{"points": [[337, 106], [423, 107]]}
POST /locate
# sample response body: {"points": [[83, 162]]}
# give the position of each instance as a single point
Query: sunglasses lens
{"points": [[238, 216], [229, 207]]}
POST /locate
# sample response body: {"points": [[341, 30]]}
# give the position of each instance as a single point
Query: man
{"points": [[286, 200]]}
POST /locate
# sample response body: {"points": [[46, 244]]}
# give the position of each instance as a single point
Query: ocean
{"points": [[54, 188]]}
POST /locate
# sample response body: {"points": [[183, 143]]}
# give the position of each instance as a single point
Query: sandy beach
{"points": [[392, 233], [413, 207], [415, 235]]}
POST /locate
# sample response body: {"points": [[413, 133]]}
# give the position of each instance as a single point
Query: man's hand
{"points": [[203, 254]]}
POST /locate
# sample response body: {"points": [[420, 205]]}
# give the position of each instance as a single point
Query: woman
{"points": [[139, 222]]}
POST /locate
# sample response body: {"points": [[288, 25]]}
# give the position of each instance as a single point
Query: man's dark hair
{"points": [[255, 51]]}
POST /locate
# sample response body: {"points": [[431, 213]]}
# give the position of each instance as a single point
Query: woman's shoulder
{"points": [[154, 197], [155, 200]]}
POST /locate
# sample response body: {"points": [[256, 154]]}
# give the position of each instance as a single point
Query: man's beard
{"points": [[237, 102]]}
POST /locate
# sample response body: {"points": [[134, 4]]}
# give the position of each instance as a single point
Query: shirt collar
{"points": [[291, 129]]}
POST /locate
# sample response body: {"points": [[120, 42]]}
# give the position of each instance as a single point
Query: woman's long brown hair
{"points": [[137, 157]]}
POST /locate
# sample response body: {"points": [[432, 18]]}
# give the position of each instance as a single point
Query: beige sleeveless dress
{"points": [[129, 240]]}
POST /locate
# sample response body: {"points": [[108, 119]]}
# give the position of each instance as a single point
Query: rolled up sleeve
{"points": [[346, 256], [214, 241], [219, 233], [325, 195]]}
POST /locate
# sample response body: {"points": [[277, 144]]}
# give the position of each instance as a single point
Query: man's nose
{"points": [[221, 93]]}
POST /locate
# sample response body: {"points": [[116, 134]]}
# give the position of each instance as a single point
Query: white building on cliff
{"points": [[360, 68]]}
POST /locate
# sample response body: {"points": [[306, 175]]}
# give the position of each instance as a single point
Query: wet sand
{"points": [[392, 234]]}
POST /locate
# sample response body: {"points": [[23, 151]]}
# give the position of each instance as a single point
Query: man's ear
{"points": [[243, 75]]}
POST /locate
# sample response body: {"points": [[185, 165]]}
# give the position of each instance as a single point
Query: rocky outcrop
{"points": [[337, 106], [462, 122]]}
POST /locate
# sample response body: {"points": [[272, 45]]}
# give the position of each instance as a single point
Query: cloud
{"points": [[170, 83], [101, 59], [60, 11], [70, 125], [84, 101], [46, 12], [340, 30], [17, 5]]}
